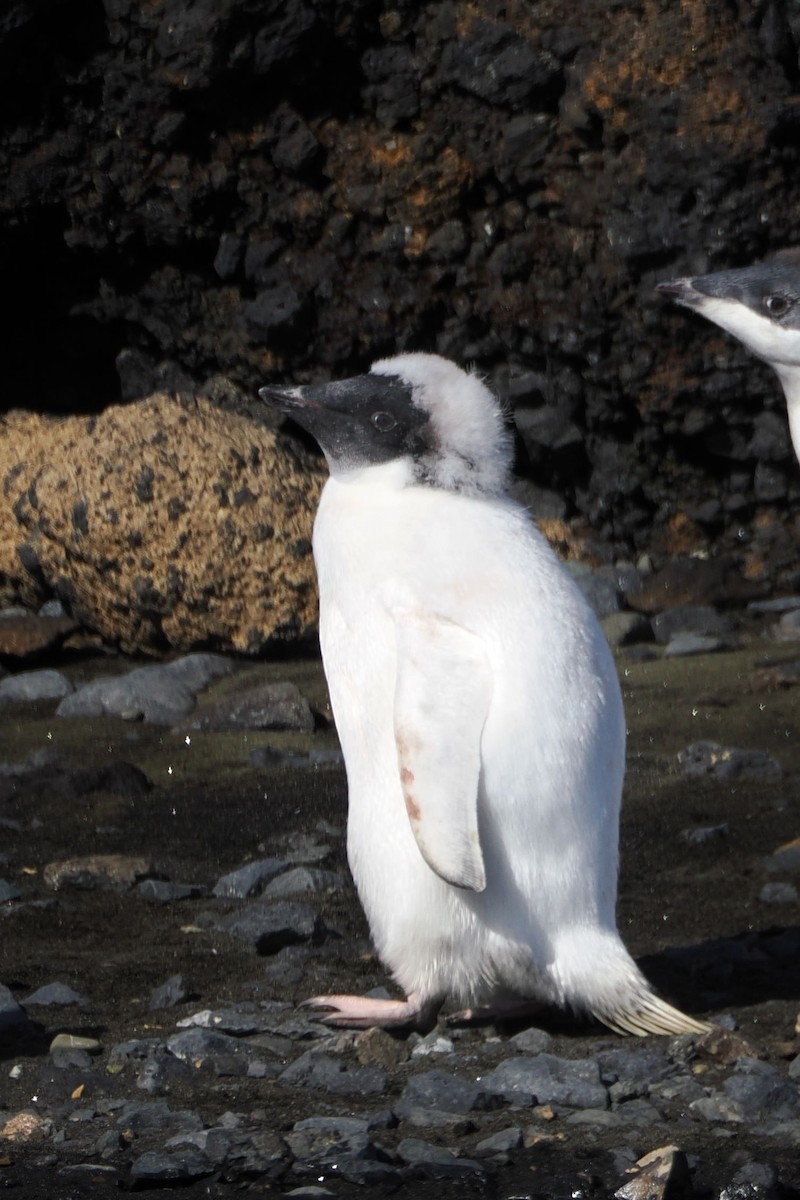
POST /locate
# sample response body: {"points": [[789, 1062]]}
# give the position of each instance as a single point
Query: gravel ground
{"points": [[199, 1071]]}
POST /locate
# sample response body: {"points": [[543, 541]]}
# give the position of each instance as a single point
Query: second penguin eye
{"points": [[383, 421]]}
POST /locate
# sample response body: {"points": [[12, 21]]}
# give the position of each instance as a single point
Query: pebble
{"points": [[106, 872], [276, 706], [138, 1117], [270, 927], [759, 1089], [530, 1041], [165, 892], [318, 1070], [662, 1174], [696, 619], [9, 891], [705, 833], [12, 1015], [73, 1041], [170, 993], [626, 629], [161, 694], [55, 993], [208, 1048], [250, 879], [269, 756], [547, 1079], [728, 763], [501, 1142], [163, 1166], [23, 635], [303, 879], [785, 858], [778, 893], [684, 644], [443, 1092], [31, 686], [788, 627], [436, 1162], [323, 1141], [753, 1181]]}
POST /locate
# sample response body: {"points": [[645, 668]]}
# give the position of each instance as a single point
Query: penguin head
{"points": [[440, 424], [760, 305]]}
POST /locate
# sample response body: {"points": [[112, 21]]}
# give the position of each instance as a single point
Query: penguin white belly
{"points": [[551, 747]]}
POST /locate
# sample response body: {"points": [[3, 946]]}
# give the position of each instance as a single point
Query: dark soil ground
{"points": [[209, 812]]}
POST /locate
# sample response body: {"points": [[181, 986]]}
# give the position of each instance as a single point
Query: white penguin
{"points": [[478, 709], [760, 305]]}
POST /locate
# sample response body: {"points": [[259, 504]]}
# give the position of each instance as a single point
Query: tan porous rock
{"points": [[163, 524]]}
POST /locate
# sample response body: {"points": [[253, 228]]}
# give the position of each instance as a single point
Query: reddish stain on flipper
{"points": [[412, 807]]}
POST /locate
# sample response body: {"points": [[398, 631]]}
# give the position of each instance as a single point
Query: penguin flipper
{"points": [[442, 697]]}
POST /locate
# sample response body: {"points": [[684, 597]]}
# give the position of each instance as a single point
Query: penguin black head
{"points": [[760, 305], [419, 410]]}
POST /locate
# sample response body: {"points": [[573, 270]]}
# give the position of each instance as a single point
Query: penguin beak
{"points": [[288, 399], [683, 290]]}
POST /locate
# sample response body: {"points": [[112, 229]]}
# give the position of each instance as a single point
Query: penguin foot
{"points": [[511, 1010], [364, 1012]]}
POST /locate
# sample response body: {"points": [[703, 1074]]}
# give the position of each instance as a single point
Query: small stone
{"points": [[322, 1141], [377, 1048], [270, 927], [759, 1089], [695, 619], [443, 1092], [436, 1162], [685, 644], [753, 1181], [220, 1052], [167, 1166], [172, 992], [501, 1142], [25, 1127], [433, 1043], [785, 858], [105, 872], [788, 627], [73, 1041], [33, 686], [275, 706], [137, 1117], [8, 891], [55, 993], [530, 1041], [250, 879], [726, 1047], [718, 1108], [12, 1015], [778, 893], [317, 1070], [546, 1079], [705, 833], [303, 879], [626, 629], [727, 762], [25, 636], [164, 892], [662, 1174]]}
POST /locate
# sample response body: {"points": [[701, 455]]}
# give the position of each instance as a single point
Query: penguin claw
{"points": [[364, 1012]]}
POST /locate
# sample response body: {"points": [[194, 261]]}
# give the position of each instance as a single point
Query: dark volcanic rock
{"points": [[294, 190]]}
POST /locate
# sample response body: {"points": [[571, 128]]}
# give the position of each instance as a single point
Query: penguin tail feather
{"points": [[646, 1013]]}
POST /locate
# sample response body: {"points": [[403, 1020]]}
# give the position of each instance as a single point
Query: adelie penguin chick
{"points": [[478, 710], [760, 305]]}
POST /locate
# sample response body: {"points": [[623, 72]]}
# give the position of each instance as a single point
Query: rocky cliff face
{"points": [[283, 189]]}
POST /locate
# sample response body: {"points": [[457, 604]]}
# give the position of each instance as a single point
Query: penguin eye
{"points": [[777, 305], [383, 421]]}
